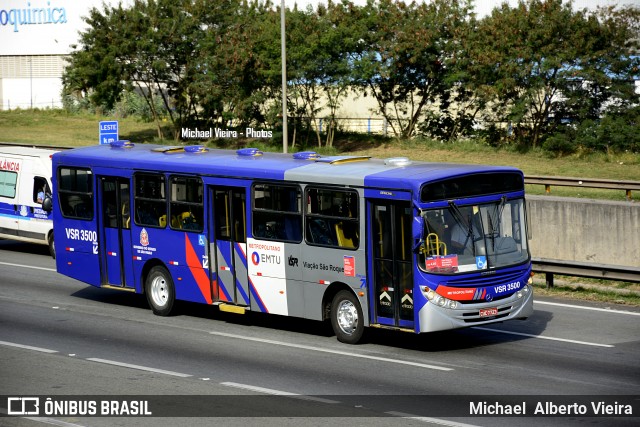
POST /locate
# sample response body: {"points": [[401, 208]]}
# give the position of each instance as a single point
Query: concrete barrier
{"points": [[584, 230]]}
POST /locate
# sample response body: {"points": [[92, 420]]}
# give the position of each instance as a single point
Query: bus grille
{"points": [[488, 280], [495, 299]]}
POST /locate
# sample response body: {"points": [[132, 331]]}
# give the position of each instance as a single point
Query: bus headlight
{"points": [[522, 292], [439, 300]]}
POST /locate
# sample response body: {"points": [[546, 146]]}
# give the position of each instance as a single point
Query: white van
{"points": [[25, 195]]}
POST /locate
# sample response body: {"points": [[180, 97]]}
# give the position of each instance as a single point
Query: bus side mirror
{"points": [[47, 204]]}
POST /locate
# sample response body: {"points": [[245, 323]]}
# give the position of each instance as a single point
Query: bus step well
{"points": [[232, 308], [392, 328]]}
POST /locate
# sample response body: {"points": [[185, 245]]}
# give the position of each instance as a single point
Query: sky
{"points": [[484, 7]]}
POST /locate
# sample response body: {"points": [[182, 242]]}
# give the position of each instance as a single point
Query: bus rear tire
{"points": [[161, 293], [346, 318]]}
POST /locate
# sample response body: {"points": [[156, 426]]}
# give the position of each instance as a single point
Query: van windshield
{"points": [[460, 239]]}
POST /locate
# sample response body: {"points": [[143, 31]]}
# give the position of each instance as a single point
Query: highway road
{"points": [[62, 339]]}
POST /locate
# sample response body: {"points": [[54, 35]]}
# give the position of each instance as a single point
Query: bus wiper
{"points": [[494, 229], [459, 217]]}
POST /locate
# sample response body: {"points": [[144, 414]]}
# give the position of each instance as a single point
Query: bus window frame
{"points": [[63, 193], [299, 213], [137, 199], [200, 221], [333, 220]]}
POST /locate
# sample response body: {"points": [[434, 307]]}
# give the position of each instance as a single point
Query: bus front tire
{"points": [[160, 291], [346, 318]]}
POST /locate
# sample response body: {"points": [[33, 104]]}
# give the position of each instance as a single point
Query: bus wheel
{"points": [[346, 318], [52, 248], [160, 291]]}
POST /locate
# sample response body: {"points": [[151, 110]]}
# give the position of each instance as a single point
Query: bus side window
{"points": [[331, 217], [150, 204], [186, 207], [75, 192], [277, 212]]}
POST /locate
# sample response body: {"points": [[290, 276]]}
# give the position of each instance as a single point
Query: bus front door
{"points": [[391, 238], [228, 245], [115, 231]]}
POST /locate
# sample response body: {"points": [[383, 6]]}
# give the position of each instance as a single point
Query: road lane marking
{"points": [[605, 310], [30, 267], [430, 420], [542, 337], [52, 421], [325, 350], [28, 347], [45, 420], [276, 392], [139, 367]]}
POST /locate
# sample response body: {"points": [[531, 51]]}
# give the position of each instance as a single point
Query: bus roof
{"points": [[396, 173]]}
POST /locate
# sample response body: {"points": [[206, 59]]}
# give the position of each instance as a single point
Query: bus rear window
{"points": [[472, 185]]}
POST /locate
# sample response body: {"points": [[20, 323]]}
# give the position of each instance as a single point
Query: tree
{"points": [[405, 55], [147, 46], [543, 64], [228, 80], [318, 47], [94, 71], [157, 47]]}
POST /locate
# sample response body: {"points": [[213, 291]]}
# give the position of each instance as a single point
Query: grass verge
{"points": [[595, 290]]}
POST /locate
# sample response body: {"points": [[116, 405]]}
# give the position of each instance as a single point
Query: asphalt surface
{"points": [[67, 341]]}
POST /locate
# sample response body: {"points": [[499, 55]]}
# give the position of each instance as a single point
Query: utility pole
{"points": [[283, 47]]}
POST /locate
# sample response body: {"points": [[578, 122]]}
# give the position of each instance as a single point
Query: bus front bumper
{"points": [[435, 318]]}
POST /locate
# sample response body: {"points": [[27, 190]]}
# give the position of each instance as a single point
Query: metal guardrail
{"points": [[584, 269], [609, 184]]}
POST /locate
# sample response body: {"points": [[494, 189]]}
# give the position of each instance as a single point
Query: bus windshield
{"points": [[464, 238]]}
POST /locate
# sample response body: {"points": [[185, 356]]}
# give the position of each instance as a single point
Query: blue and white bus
{"points": [[364, 242]]}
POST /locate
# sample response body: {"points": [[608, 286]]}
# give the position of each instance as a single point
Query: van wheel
{"points": [[52, 248], [160, 291], [346, 318]]}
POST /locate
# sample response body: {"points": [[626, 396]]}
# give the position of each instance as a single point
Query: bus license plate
{"points": [[486, 312]]}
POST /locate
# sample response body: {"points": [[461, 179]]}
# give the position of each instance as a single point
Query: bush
{"points": [[615, 132], [561, 143], [134, 104]]}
